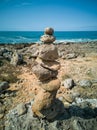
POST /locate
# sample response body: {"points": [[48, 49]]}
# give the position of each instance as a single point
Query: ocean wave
{"points": [[23, 39], [17, 39], [75, 40]]}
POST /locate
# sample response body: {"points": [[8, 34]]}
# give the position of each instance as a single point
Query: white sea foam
{"points": [[75, 40]]}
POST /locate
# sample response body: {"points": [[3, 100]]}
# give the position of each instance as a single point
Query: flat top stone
{"points": [[48, 52]]}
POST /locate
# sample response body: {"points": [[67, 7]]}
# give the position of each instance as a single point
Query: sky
{"points": [[35, 15]]}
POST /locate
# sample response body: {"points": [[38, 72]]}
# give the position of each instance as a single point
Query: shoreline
{"points": [[55, 43]]}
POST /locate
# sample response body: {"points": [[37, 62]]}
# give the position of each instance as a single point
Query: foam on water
{"points": [[75, 40]]}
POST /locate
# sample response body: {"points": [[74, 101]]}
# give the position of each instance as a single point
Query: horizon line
{"points": [[43, 30]]}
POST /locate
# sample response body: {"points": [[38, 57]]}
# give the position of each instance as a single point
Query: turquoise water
{"points": [[34, 36]]}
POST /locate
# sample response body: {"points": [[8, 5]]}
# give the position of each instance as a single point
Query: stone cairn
{"points": [[48, 36], [46, 69]]}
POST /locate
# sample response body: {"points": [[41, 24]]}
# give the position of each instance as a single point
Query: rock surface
{"points": [[52, 85], [73, 118], [48, 53], [42, 73], [21, 109], [49, 31], [48, 37], [4, 86], [79, 113], [16, 59], [43, 100], [68, 83], [85, 83]]}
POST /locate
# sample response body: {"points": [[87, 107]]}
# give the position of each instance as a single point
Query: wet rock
{"points": [[92, 102], [48, 52], [68, 83], [16, 59], [85, 83], [4, 85], [33, 51], [21, 109], [42, 73]]}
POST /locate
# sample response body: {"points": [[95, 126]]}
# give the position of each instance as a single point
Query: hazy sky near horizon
{"points": [[62, 15]]}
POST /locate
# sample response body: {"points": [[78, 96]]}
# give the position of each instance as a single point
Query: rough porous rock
{"points": [[54, 110], [16, 59], [76, 125], [43, 100], [2, 51], [47, 39], [52, 85], [4, 85], [2, 111], [21, 109], [70, 56], [69, 97], [68, 83], [48, 52], [72, 118], [42, 73], [33, 51], [85, 83], [49, 31], [52, 65]]}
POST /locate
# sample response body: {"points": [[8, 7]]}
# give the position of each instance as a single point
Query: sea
{"points": [[16, 37]]}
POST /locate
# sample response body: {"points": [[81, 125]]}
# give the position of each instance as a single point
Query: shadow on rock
{"points": [[76, 111]]}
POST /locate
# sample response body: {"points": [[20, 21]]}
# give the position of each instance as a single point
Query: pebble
{"points": [[21, 109], [85, 83], [68, 83]]}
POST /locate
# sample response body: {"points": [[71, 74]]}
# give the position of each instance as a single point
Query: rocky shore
{"points": [[69, 84]]}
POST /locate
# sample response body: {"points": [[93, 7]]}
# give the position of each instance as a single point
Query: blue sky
{"points": [[62, 15]]}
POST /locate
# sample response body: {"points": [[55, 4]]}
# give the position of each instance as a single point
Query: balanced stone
{"points": [[52, 85], [51, 65], [46, 70], [49, 31], [43, 100], [47, 38], [42, 73], [48, 52]]}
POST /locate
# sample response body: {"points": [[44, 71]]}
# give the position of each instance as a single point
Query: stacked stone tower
{"points": [[48, 36], [46, 70]]}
